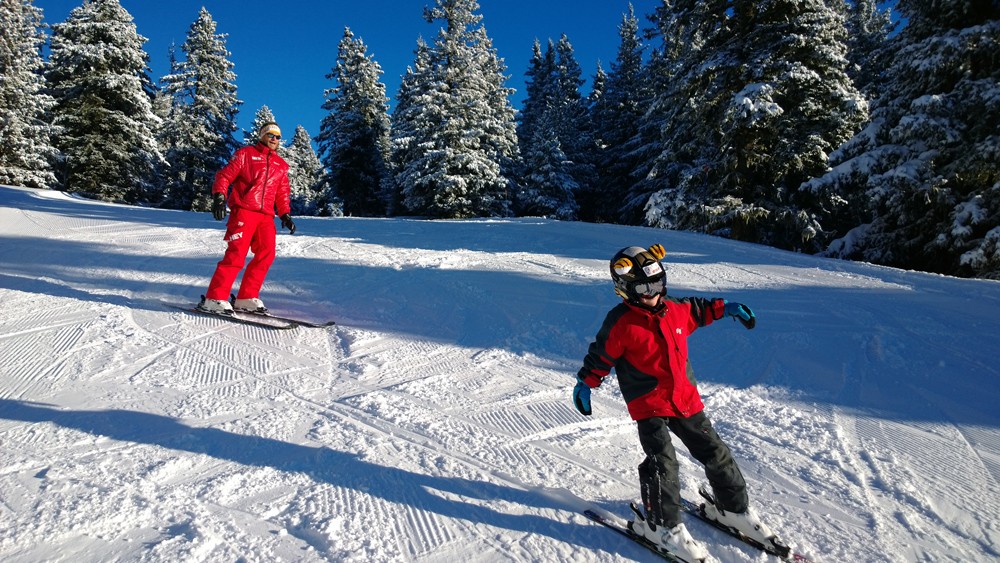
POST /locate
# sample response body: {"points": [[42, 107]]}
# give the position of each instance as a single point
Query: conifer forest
{"points": [[845, 129]]}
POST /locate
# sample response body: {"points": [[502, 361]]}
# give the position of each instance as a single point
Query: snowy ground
{"points": [[434, 421]]}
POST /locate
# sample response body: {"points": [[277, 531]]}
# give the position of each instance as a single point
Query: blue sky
{"points": [[282, 51]]}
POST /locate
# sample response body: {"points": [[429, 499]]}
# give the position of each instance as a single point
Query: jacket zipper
{"points": [[673, 340], [267, 174]]}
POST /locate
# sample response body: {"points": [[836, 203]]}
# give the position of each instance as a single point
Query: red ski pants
{"points": [[245, 231]]}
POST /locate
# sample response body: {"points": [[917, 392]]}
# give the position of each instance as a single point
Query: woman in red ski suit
{"points": [[259, 180], [644, 339]]}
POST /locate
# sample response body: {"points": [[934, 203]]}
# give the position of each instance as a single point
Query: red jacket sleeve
{"points": [[703, 311], [604, 351], [283, 197], [227, 175]]}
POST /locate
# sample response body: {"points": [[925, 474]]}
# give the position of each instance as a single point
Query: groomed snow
{"points": [[434, 421]]}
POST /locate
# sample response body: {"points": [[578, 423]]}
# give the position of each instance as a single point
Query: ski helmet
{"points": [[638, 272]]}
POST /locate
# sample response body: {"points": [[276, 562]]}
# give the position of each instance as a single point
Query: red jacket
{"points": [[259, 178], [648, 350]]}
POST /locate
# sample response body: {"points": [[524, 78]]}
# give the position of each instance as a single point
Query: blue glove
{"points": [[581, 398], [742, 313]]}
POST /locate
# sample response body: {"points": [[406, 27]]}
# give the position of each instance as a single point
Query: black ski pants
{"points": [[658, 478]]}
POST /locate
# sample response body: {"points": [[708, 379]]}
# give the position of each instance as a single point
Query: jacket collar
{"points": [[657, 311], [263, 148]]}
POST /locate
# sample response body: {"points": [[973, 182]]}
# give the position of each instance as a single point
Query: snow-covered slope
{"points": [[434, 421]]}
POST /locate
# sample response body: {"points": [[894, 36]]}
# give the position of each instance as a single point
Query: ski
{"points": [[236, 318], [299, 322], [777, 548], [624, 531], [269, 314]]}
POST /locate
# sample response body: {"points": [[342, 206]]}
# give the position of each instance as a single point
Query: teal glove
{"points": [[581, 398], [742, 313]]}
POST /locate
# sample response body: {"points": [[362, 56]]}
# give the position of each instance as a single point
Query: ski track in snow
{"points": [[434, 421]]}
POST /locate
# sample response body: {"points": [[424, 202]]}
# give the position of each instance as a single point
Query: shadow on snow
{"points": [[324, 465]]}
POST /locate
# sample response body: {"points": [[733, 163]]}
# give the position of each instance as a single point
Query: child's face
{"points": [[651, 301]]}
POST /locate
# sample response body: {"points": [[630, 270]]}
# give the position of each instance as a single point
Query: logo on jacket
{"points": [[678, 331], [256, 158]]}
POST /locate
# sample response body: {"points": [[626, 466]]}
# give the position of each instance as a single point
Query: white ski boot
{"points": [[676, 540], [215, 306], [747, 523], [252, 305]]}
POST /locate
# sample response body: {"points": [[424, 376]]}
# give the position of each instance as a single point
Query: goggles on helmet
{"points": [[650, 288]]}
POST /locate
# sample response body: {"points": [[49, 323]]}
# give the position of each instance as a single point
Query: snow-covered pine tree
{"points": [[499, 132], [97, 73], [925, 173], [673, 150], [539, 89], [163, 104], [616, 114], [570, 115], [597, 90], [553, 98], [644, 147], [548, 189], [169, 138], [197, 137], [354, 136], [27, 153], [797, 106], [868, 30], [305, 175], [405, 144], [455, 166], [776, 98], [260, 117]]}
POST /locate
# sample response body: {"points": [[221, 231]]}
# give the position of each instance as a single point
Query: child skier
{"points": [[644, 339]]}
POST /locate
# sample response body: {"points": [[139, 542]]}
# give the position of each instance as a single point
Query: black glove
{"points": [[286, 222], [219, 206]]}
